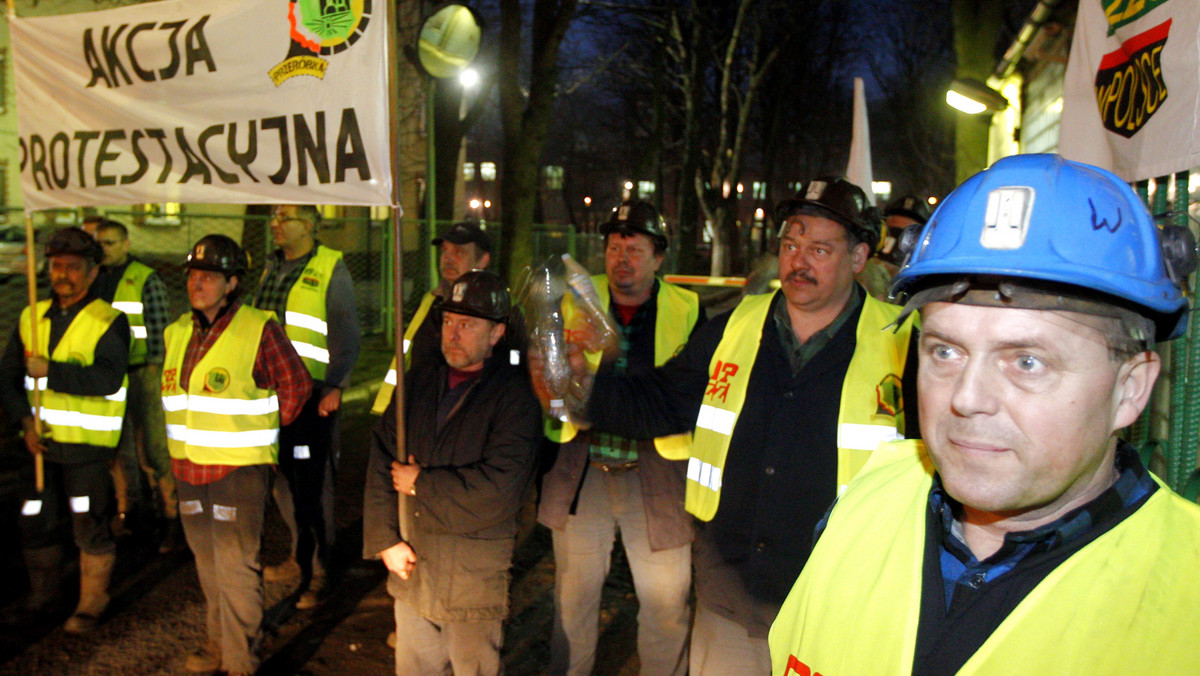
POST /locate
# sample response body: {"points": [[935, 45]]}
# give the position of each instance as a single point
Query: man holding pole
{"points": [[461, 473], [67, 359]]}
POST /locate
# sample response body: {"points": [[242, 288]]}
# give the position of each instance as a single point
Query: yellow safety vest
{"points": [[128, 299], [1128, 602], [678, 310], [220, 417], [305, 316], [74, 418], [384, 396], [871, 409]]}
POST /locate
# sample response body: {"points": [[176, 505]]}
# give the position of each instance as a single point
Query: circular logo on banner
{"points": [[319, 28], [216, 380]]}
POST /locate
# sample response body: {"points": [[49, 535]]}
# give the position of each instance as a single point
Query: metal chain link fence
{"points": [[162, 241]]}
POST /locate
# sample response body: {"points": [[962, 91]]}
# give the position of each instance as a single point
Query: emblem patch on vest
{"points": [[718, 383], [216, 380], [888, 401], [169, 384], [310, 281]]}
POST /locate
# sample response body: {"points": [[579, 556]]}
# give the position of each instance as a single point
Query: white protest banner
{"points": [[1131, 101], [228, 101]]}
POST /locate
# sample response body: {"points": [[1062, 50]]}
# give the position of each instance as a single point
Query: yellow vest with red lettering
{"points": [[1127, 603], [870, 412], [74, 418], [678, 310], [384, 396], [220, 416]]}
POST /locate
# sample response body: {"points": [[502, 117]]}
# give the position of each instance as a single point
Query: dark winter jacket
{"points": [[476, 471]]}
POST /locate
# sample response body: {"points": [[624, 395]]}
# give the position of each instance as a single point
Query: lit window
{"points": [[554, 177], [760, 190], [646, 188], [165, 213], [487, 170], [468, 171]]}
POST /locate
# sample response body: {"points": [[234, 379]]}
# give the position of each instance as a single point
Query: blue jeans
{"points": [[582, 556]]}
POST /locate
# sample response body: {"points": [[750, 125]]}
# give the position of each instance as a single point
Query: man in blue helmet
{"points": [[1022, 536]]}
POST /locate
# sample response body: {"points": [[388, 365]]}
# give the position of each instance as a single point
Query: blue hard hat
{"points": [[1044, 219]]}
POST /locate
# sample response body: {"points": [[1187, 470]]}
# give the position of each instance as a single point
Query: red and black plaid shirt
{"points": [[276, 367]]}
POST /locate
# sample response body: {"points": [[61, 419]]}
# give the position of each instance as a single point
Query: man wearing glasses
{"points": [[308, 287]]}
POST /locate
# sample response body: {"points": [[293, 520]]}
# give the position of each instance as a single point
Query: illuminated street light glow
{"points": [[587, 201], [966, 105], [475, 203], [468, 78], [973, 97], [487, 204]]}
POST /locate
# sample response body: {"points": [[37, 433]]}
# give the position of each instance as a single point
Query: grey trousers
{"points": [[582, 557], [428, 648], [223, 522]]}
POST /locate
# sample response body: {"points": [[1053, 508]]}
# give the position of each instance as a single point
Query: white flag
{"points": [[858, 170]]}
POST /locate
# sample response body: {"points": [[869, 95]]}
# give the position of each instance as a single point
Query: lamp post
{"points": [[446, 46]]}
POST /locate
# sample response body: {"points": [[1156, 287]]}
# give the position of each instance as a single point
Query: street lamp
{"points": [[973, 97], [468, 78], [446, 46]]}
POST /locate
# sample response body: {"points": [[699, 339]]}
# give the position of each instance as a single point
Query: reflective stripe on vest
{"points": [[128, 299], [870, 410], [384, 396], [1127, 602], [305, 318], [220, 417], [677, 311], [73, 418]]}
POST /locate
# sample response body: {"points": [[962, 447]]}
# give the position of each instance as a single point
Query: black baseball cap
{"points": [[464, 233]]}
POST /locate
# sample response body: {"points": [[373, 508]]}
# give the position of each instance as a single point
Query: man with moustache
{"points": [[788, 394], [79, 364], [464, 247], [1022, 536], [308, 287], [472, 430]]}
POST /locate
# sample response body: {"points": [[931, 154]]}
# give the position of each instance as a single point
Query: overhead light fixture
{"points": [[973, 97]]}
